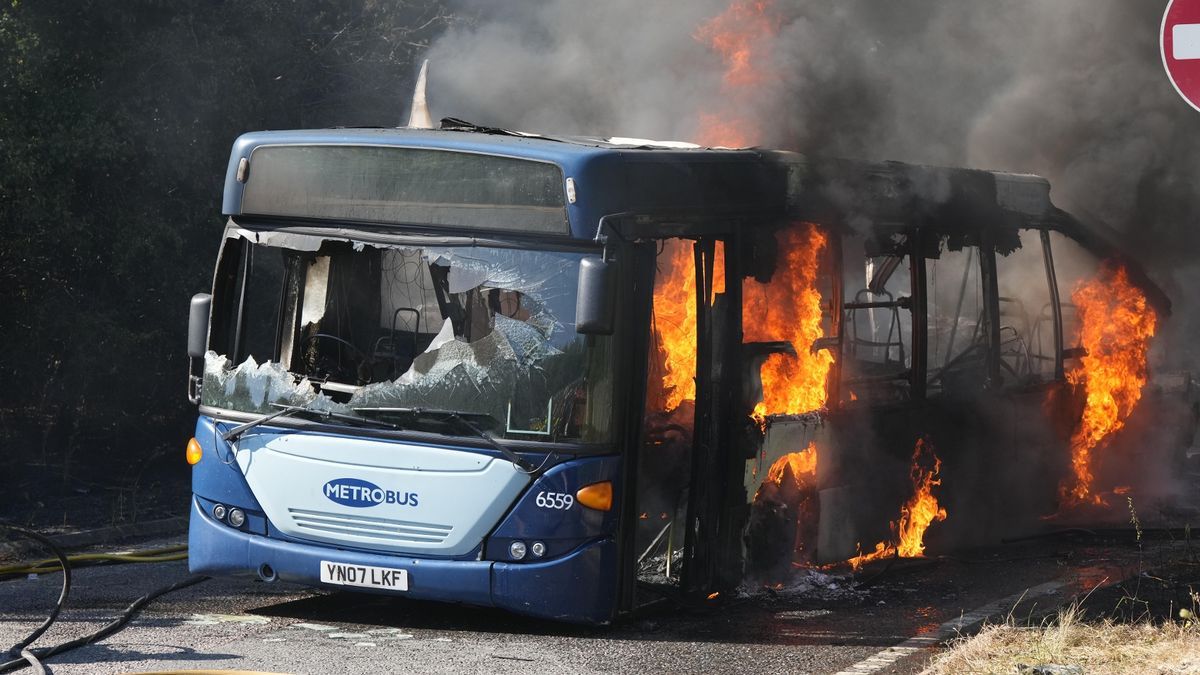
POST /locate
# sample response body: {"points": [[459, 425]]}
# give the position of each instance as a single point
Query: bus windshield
{"points": [[401, 332]]}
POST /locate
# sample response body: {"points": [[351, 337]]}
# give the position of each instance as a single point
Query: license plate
{"points": [[363, 576]]}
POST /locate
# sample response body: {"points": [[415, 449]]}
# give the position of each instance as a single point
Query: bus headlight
{"points": [[517, 550], [219, 511], [538, 549], [237, 517]]}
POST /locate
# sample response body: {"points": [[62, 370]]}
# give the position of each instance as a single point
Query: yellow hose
{"points": [[166, 554]]}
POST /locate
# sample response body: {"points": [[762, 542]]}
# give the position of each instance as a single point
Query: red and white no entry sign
{"points": [[1179, 41]]}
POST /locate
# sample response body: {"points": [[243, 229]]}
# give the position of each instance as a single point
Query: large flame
{"points": [[736, 36], [916, 515], [675, 321], [789, 308], [1115, 329]]}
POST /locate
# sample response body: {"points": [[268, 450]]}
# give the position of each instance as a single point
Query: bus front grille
{"points": [[383, 529]]}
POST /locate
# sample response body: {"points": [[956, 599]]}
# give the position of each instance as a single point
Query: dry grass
{"points": [[1103, 647]]}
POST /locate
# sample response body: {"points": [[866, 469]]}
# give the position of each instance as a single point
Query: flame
{"points": [[789, 308], [675, 316], [923, 508], [675, 321], [916, 515], [791, 482], [882, 550], [791, 384], [1115, 328], [803, 465], [740, 36], [737, 35]]}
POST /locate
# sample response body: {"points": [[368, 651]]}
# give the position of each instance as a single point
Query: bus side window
{"points": [[1026, 313], [877, 326], [957, 343]]}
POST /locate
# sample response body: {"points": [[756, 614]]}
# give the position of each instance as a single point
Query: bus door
{"points": [[682, 470], [877, 407], [1031, 389]]}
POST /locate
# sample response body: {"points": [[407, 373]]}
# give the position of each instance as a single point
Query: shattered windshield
{"points": [[371, 330]]}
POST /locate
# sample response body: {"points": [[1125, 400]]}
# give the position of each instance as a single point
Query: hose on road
{"points": [[32, 657], [20, 649], [166, 554]]}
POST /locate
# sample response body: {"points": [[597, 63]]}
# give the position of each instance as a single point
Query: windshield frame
{"points": [[248, 230]]}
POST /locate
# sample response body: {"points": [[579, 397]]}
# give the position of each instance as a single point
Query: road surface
{"points": [[821, 623]]}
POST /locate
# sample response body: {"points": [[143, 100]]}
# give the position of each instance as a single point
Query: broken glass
{"points": [[255, 387], [481, 330]]}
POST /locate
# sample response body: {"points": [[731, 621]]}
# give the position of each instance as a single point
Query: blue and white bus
{"points": [[427, 363]]}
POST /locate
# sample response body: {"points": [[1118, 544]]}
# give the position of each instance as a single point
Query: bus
{"points": [[531, 373]]}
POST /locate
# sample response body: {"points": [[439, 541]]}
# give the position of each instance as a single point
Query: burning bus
{"points": [[562, 376]]}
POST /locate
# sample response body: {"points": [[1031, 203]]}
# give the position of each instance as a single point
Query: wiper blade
{"points": [[461, 418], [289, 410]]}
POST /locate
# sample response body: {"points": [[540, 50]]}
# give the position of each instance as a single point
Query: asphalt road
{"points": [[819, 624]]}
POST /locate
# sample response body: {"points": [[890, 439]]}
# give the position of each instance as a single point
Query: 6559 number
{"points": [[555, 500]]}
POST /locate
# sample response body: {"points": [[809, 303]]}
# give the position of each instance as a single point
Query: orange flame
{"points": [[923, 508], [736, 35], [803, 465], [789, 308], [675, 321], [1116, 325], [740, 36], [882, 550], [916, 515]]}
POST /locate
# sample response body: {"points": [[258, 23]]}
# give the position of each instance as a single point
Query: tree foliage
{"points": [[116, 120]]}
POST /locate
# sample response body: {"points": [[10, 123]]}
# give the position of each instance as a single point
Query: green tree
{"points": [[116, 120]]}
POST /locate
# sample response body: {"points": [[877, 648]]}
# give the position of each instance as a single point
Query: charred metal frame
{"points": [[1055, 302], [991, 298], [920, 315], [633, 343]]}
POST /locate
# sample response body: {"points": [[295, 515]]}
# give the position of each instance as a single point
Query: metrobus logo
{"points": [[361, 494]]}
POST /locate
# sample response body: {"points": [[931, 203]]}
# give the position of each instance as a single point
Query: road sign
{"points": [[1179, 42]]}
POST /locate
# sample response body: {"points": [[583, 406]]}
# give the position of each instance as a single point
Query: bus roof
{"points": [[606, 177], [674, 188]]}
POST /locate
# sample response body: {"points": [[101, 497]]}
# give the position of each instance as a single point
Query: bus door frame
{"points": [[711, 529]]}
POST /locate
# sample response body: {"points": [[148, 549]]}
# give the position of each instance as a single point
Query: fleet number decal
{"points": [[555, 500]]}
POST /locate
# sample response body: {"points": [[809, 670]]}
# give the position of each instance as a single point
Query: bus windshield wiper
{"points": [[290, 410], [461, 418]]}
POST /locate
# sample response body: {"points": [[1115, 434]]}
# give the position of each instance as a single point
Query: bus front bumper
{"points": [[579, 587]]}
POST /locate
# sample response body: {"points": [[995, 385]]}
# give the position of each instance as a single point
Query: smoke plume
{"points": [[1073, 90]]}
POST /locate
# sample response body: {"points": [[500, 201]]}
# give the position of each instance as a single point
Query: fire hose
{"points": [[166, 554], [27, 656]]}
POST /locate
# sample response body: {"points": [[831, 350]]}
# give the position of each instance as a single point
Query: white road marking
{"points": [[313, 626], [944, 632], [214, 619]]}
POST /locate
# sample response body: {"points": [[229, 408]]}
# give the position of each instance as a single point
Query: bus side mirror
{"points": [[198, 325], [197, 339], [594, 307]]}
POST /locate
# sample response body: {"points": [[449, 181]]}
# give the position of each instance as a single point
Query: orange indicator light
{"points": [[596, 496]]}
